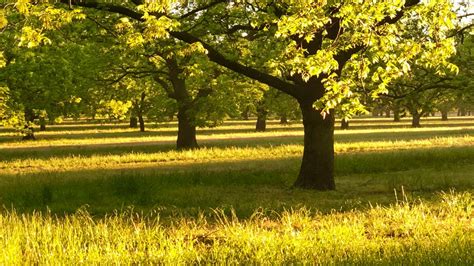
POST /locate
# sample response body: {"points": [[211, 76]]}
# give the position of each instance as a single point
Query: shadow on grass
{"points": [[52, 134], [10, 154], [241, 185]]}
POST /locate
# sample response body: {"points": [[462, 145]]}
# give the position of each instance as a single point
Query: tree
{"points": [[314, 51]]}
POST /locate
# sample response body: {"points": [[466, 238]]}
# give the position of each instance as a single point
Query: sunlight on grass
{"points": [[230, 154], [404, 233]]}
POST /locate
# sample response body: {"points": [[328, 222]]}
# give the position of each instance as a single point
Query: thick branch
{"points": [[118, 9], [250, 72]]}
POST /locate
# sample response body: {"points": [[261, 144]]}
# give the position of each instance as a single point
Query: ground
{"points": [[399, 191]]}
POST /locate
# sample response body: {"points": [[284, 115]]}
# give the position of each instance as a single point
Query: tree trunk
{"points": [[142, 122], [133, 122], [444, 115], [28, 129], [344, 124], [186, 127], [415, 122], [261, 124], [42, 124], [462, 112], [387, 113], [396, 113], [317, 166], [186, 130], [140, 110], [283, 120], [245, 113]]}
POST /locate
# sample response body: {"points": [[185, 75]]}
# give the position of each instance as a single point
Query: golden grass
{"points": [[226, 154], [404, 233], [87, 138]]}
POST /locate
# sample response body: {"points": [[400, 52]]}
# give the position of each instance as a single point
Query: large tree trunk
{"points": [[317, 167], [186, 127], [415, 122], [186, 130], [261, 124]]}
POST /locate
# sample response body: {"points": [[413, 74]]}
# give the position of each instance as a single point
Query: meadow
{"points": [[104, 193]]}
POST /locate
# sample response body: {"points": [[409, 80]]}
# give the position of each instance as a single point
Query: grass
{"points": [[404, 196], [403, 233]]}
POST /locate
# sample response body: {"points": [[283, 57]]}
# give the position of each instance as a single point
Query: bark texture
{"points": [[317, 166]]}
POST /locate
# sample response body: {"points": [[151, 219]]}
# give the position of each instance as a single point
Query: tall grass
{"points": [[404, 233]]}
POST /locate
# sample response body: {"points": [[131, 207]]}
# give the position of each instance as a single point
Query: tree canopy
{"points": [[327, 55]]}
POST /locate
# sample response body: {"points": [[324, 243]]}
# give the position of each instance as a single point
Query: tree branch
{"points": [[250, 72]]}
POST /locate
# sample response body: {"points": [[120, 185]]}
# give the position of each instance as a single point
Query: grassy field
{"points": [[86, 192]]}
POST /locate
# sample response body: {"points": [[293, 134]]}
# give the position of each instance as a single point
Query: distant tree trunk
{"points": [[142, 122], [51, 119], [344, 124], [283, 120], [415, 122], [396, 112], [133, 121], [29, 133], [444, 115], [387, 113], [261, 124], [462, 112], [245, 113], [42, 124], [317, 167], [140, 110]]}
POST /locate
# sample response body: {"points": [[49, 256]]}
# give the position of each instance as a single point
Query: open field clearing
{"points": [[113, 195]]}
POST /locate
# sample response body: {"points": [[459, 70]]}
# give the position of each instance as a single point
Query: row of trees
{"points": [[204, 60]]}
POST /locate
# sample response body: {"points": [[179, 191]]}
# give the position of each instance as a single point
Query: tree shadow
{"points": [[244, 185]]}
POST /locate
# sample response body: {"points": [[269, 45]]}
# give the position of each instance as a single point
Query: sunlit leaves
{"points": [[115, 108], [303, 24], [23, 6], [160, 6], [2, 60], [3, 19], [31, 37], [158, 28]]}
